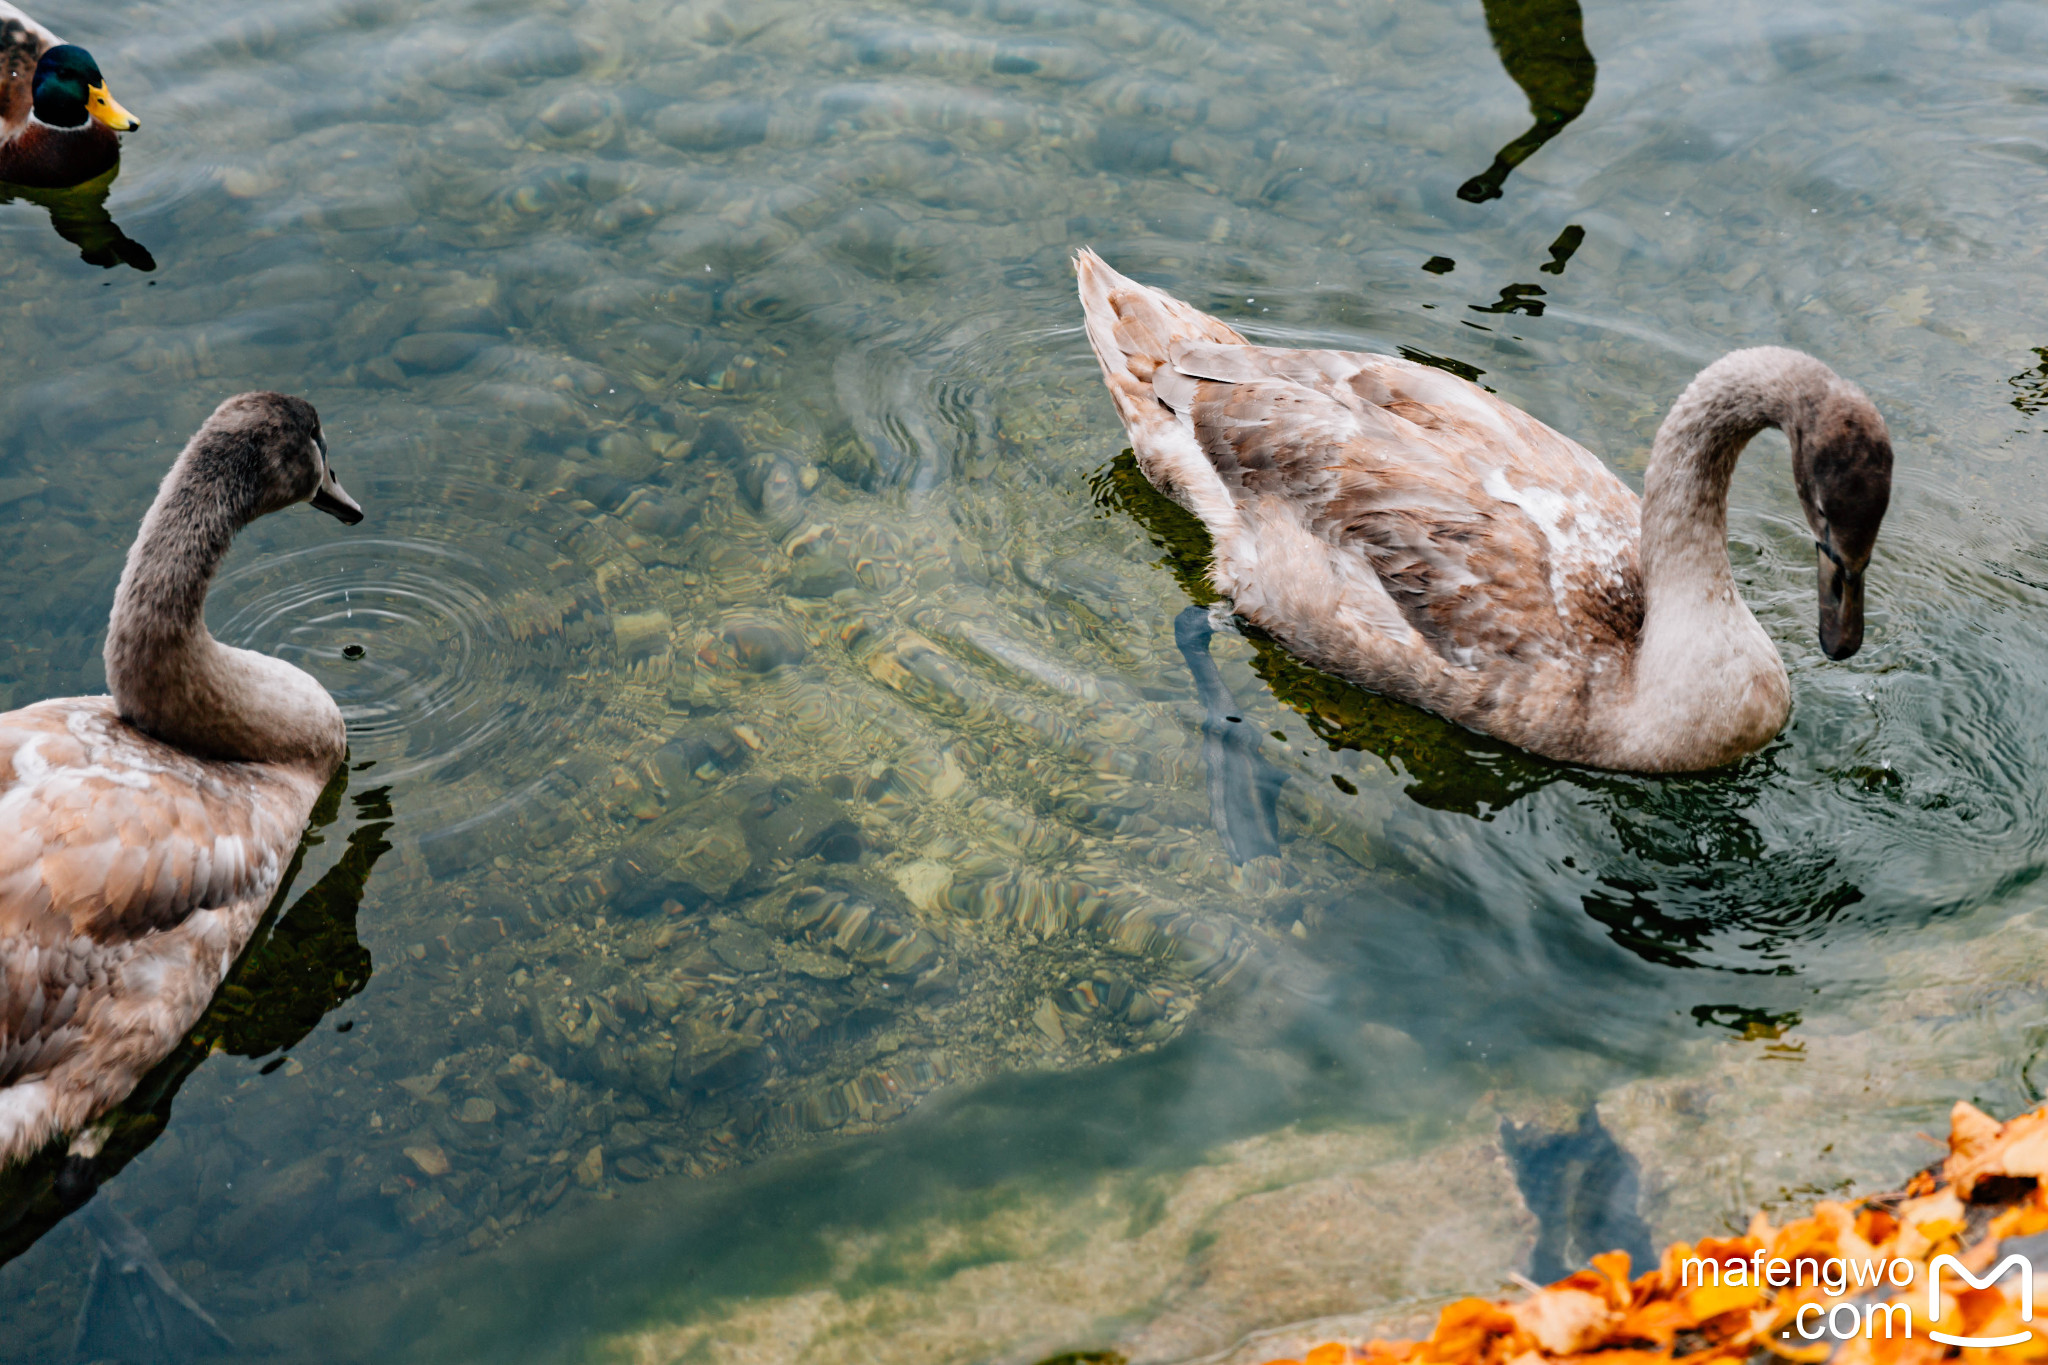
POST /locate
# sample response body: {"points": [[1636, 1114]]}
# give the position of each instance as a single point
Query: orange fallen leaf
{"points": [[1666, 1316]]}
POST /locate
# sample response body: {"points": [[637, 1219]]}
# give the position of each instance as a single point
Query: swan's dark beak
{"points": [[330, 497], [1841, 606]]}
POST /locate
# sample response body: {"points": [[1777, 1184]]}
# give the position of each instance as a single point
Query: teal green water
{"points": [[792, 789]]}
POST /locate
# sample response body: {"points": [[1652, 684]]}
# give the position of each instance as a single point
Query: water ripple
{"points": [[432, 661]]}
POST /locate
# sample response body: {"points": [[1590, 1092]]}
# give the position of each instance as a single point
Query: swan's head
{"points": [[1842, 461], [266, 451]]}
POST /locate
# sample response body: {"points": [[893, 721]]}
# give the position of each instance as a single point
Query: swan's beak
{"points": [[1841, 606], [330, 497], [105, 108]]}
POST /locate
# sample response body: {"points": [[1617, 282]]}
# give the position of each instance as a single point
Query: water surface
{"points": [[763, 673]]}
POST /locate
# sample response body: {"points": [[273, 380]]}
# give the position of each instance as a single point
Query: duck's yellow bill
{"points": [[108, 110]]}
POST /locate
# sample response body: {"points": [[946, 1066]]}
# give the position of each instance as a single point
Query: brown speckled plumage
{"points": [[1405, 528]]}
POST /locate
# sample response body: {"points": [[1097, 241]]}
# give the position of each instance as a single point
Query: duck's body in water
{"points": [[1405, 529]]}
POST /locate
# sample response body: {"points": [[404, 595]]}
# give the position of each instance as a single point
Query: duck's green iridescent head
{"points": [[69, 89]]}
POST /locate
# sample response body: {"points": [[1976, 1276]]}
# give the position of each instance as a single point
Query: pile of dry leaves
{"points": [[1849, 1284]]}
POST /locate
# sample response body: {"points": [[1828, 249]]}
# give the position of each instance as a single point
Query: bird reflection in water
{"points": [[300, 965], [133, 1309], [79, 215], [1542, 43]]}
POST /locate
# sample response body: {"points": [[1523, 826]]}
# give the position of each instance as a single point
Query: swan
{"points": [[1407, 530], [143, 834]]}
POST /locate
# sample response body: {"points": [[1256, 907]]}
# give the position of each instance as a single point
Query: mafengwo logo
{"points": [[1866, 1315], [2012, 1262]]}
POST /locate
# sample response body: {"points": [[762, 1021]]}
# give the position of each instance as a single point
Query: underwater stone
{"points": [[924, 883], [532, 50], [775, 485], [427, 1210], [760, 644], [853, 925], [651, 1064], [712, 127], [665, 516], [781, 823], [742, 948], [576, 111], [626, 455], [1046, 1018], [437, 352], [642, 633], [815, 965], [675, 764], [819, 575], [680, 858], [709, 1058], [590, 1170]]}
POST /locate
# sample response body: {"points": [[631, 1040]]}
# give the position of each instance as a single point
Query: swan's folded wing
{"points": [[1493, 533], [110, 835], [130, 876]]}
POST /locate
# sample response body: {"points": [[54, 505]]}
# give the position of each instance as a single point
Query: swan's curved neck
{"points": [[167, 673], [1685, 491], [160, 607], [1704, 664]]}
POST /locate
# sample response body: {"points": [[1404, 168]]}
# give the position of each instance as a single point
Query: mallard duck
{"points": [[57, 121], [1405, 529], [143, 834]]}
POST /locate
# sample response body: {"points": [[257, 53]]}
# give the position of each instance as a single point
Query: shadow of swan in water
{"points": [[1542, 43], [299, 965], [79, 215], [1244, 789]]}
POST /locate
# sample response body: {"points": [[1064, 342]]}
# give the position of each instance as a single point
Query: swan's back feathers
{"points": [[131, 875], [1497, 538], [117, 835], [1492, 533]]}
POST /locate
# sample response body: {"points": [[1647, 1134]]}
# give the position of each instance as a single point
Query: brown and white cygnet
{"points": [[143, 834], [1407, 530]]}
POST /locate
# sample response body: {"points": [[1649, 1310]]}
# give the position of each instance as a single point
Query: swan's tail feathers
{"points": [[1135, 331]]}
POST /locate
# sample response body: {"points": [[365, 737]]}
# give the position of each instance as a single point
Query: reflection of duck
{"points": [[1542, 43], [79, 215], [1408, 530], [133, 1309], [1584, 1189], [142, 835], [57, 121]]}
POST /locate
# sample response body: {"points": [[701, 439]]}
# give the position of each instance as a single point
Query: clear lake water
{"points": [[776, 830]]}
